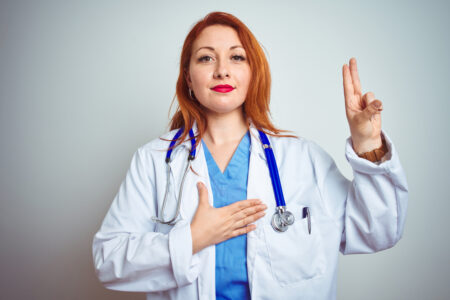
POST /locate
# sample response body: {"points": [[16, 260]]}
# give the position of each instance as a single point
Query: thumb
{"points": [[202, 194], [373, 108]]}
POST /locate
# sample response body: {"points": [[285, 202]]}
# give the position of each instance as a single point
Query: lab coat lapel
{"points": [[259, 186], [178, 164], [206, 279], [189, 204]]}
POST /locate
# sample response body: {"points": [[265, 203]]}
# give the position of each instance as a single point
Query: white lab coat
{"points": [[132, 253]]}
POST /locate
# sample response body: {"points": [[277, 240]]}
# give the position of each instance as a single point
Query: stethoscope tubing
{"points": [[177, 135], [190, 158], [273, 170], [278, 181]]}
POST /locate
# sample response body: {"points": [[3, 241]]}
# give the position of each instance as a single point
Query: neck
{"points": [[225, 128]]}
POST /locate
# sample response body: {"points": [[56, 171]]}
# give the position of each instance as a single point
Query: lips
{"points": [[223, 88]]}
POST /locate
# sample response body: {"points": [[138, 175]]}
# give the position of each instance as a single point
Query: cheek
{"points": [[199, 76], [245, 78]]}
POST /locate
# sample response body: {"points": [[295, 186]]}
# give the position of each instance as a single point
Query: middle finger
{"points": [[249, 219], [252, 210], [249, 211], [355, 76]]}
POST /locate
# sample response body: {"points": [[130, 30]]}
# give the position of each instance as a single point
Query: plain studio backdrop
{"points": [[83, 84]]}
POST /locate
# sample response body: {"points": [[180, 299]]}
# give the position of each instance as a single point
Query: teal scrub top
{"points": [[231, 255]]}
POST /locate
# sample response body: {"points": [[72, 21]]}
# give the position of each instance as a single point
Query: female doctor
{"points": [[232, 209]]}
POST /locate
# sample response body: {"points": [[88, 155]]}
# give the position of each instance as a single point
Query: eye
{"points": [[239, 57], [207, 58], [204, 58]]}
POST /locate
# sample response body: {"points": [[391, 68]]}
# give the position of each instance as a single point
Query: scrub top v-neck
{"points": [[227, 188]]}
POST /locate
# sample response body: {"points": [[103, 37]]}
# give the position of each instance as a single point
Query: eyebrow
{"points": [[211, 48]]}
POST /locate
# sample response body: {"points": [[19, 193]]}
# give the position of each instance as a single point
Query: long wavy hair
{"points": [[256, 105]]}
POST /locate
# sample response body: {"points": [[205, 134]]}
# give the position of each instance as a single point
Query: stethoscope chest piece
{"points": [[281, 219]]}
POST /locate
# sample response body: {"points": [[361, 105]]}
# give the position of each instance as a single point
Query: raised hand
{"points": [[212, 225], [363, 111]]}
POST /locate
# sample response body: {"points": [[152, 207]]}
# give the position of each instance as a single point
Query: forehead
{"points": [[217, 36]]}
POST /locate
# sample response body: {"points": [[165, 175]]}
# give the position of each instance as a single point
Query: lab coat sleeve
{"points": [[371, 207], [128, 254]]}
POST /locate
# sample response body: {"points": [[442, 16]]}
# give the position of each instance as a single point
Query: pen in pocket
{"points": [[307, 214]]}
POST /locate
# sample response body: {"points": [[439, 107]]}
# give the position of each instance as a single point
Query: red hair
{"points": [[256, 105]]}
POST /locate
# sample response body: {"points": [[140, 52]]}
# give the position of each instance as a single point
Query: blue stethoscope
{"points": [[281, 219]]}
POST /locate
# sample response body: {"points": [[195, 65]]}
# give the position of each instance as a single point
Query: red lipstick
{"points": [[223, 88]]}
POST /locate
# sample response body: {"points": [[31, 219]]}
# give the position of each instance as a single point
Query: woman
{"points": [[223, 241]]}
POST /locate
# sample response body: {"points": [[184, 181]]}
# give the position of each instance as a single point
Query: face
{"points": [[218, 58]]}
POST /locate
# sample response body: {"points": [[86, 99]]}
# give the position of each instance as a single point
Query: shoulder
{"points": [[157, 147], [300, 146]]}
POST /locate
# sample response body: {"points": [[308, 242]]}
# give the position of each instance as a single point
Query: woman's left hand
{"points": [[363, 112]]}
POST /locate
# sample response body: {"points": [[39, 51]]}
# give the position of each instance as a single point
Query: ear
{"points": [[188, 78]]}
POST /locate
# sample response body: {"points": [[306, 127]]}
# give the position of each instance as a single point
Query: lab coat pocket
{"points": [[295, 255]]}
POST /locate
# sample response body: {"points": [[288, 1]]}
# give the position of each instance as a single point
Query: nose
{"points": [[221, 70]]}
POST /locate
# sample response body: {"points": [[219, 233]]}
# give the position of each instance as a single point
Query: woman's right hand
{"points": [[212, 225]]}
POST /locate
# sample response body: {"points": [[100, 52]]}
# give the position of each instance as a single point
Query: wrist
{"points": [[362, 147], [375, 155]]}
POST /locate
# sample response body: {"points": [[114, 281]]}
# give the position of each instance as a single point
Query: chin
{"points": [[222, 105], [223, 109]]}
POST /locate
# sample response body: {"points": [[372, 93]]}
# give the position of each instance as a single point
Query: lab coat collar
{"points": [[255, 145], [179, 156]]}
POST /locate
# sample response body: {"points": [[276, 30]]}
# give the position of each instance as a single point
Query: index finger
{"points": [[239, 205], [348, 84]]}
